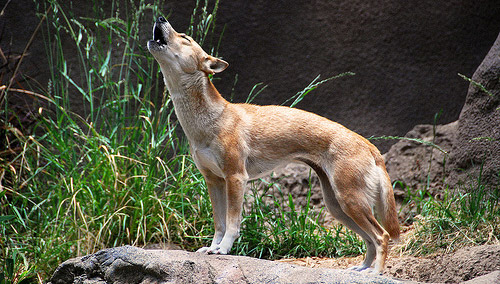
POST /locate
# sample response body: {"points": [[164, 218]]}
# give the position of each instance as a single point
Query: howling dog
{"points": [[233, 143]]}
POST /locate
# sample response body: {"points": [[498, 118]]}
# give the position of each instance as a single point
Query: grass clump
{"points": [[466, 217]]}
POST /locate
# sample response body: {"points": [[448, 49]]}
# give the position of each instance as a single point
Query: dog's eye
{"points": [[185, 37]]}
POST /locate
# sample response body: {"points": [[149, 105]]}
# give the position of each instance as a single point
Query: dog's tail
{"points": [[386, 209]]}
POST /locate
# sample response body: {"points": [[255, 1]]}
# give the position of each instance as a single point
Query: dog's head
{"points": [[179, 54]]}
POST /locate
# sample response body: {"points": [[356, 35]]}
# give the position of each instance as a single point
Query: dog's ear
{"points": [[212, 65]]}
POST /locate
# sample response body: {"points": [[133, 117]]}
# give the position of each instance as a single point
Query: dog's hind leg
{"points": [[335, 209], [377, 244], [356, 197], [337, 212]]}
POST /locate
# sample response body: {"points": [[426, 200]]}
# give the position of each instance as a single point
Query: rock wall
{"points": [[406, 54], [472, 142], [418, 165]]}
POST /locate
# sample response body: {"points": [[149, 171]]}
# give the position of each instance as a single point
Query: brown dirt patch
{"points": [[462, 265]]}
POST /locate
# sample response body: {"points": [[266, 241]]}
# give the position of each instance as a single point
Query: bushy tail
{"points": [[386, 210]]}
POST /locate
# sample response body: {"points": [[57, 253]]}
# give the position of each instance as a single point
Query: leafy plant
{"points": [[116, 173], [299, 96], [13, 271], [477, 84]]}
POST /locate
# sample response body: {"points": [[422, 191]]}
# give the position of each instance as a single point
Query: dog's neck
{"points": [[198, 105]]}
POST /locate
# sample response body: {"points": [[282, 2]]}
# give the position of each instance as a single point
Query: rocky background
{"points": [[472, 143], [406, 55], [457, 154]]}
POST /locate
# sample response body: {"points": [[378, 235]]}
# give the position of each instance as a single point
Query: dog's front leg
{"points": [[227, 202], [234, 189], [217, 191]]}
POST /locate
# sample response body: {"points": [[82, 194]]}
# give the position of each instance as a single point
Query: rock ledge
{"points": [[129, 264]]}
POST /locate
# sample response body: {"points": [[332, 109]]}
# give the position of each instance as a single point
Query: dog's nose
{"points": [[161, 19]]}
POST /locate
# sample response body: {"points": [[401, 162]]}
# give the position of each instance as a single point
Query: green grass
{"points": [[117, 174], [463, 217]]}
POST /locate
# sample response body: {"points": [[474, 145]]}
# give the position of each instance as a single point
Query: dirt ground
{"points": [[462, 265]]}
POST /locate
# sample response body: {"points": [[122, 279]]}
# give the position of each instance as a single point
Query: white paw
{"points": [[374, 271], [365, 269], [359, 268], [203, 250], [213, 250]]}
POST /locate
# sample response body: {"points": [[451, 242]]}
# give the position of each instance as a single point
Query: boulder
{"points": [[418, 165], [129, 264], [476, 150], [493, 277]]}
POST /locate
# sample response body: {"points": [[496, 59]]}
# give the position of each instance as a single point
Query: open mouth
{"points": [[158, 35]]}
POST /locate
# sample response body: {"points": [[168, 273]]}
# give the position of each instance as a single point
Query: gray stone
{"points": [[491, 278], [418, 165], [135, 265], [477, 146]]}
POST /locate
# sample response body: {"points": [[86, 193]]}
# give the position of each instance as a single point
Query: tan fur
{"points": [[233, 143]]}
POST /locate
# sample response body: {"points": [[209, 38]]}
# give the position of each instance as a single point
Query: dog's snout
{"points": [[161, 20]]}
